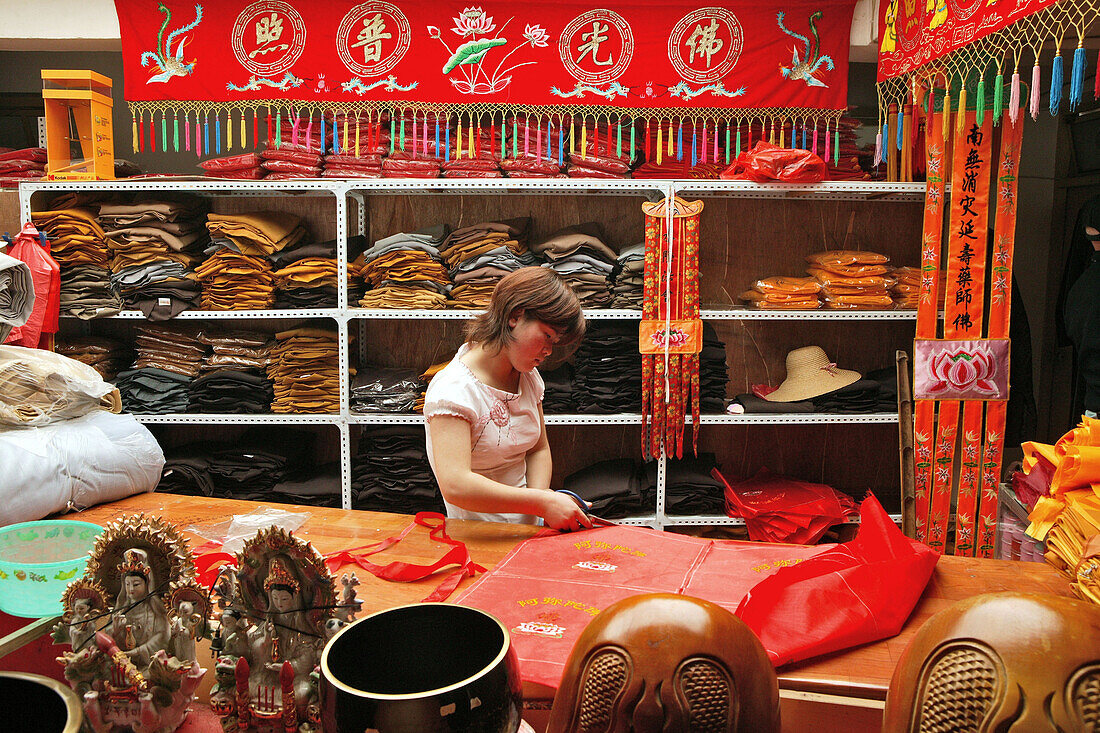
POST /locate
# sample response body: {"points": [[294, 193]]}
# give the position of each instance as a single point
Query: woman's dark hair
{"points": [[538, 293]]}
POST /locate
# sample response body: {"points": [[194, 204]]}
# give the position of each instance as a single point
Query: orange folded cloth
{"points": [[846, 258], [1078, 466], [1086, 433], [788, 285]]}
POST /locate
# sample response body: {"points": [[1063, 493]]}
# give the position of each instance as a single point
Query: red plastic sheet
{"points": [[767, 162], [781, 509], [801, 601], [46, 276]]}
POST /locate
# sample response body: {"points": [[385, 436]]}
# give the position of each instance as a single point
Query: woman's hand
{"points": [[562, 513]]}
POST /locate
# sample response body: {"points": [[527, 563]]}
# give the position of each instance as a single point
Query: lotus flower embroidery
{"points": [[675, 337], [962, 371], [469, 56]]}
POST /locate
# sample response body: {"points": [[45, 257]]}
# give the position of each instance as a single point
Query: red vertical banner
{"points": [[963, 314], [1000, 308], [928, 312]]}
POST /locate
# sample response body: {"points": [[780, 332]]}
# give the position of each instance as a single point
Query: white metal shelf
{"points": [[489, 186], [203, 315], [755, 314], [200, 418], [594, 314], [801, 418], [827, 190]]}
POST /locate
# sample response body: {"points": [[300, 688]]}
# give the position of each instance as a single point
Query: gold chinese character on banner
{"points": [[269, 29], [704, 41], [593, 39], [371, 37]]}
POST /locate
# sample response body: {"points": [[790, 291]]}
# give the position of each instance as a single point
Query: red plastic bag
{"points": [[781, 509], [854, 593], [767, 162], [46, 276]]}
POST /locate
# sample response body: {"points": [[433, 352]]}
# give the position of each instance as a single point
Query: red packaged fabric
{"points": [[529, 165], [527, 174], [410, 166], [245, 174], [618, 166], [463, 173], [855, 593], [16, 166], [767, 162], [390, 173], [287, 166], [577, 171], [290, 176], [312, 160], [365, 160], [800, 601], [240, 162], [781, 509], [29, 173], [35, 154], [46, 277], [341, 172], [470, 164]]}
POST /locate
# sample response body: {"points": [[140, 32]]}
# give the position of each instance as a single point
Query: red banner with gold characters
{"points": [[914, 32], [685, 57]]}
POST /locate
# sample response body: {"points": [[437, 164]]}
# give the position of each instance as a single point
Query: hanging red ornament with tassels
{"points": [[670, 336]]}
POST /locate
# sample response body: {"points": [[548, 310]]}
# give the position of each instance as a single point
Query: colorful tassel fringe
{"points": [[1056, 84]]}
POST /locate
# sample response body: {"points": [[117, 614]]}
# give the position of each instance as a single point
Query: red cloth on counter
{"points": [[777, 508], [46, 276]]}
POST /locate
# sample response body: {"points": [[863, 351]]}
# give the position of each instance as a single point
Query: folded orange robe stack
{"points": [[852, 279], [780, 291]]}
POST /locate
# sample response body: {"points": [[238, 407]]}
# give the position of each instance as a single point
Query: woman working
{"points": [[486, 436]]}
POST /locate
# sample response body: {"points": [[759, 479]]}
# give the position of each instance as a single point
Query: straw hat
{"points": [[810, 374]]}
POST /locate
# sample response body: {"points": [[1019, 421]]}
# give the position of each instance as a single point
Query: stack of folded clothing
{"points": [[168, 360], [405, 270], [780, 291], [558, 396], [238, 274], [154, 247], [628, 278], [414, 154], [777, 508], [305, 368], [344, 165], [480, 255], [581, 256], [243, 167], [852, 279], [690, 487], [615, 488], [308, 276], [379, 389], [234, 375], [596, 158], [289, 161], [86, 292], [107, 356], [391, 472], [608, 368], [483, 161], [425, 380], [75, 237], [532, 150], [28, 164], [877, 391], [906, 288], [713, 372], [318, 486], [257, 461]]}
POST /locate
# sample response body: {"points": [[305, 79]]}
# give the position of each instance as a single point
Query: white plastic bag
{"points": [[233, 533], [39, 387]]}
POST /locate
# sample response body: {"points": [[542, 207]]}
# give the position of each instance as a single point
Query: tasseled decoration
{"points": [[828, 140], [619, 140], [998, 97], [648, 140], [1014, 98], [493, 137], [900, 127], [206, 132], [526, 136], [878, 148], [153, 131], [229, 132], [584, 139], [140, 137], [164, 131], [1077, 78], [1056, 74], [357, 135], [400, 132], [694, 141], [255, 128], [782, 135], [945, 118], [187, 131], [267, 117], [804, 146], [1096, 84], [596, 136], [244, 130], [515, 137], [561, 143], [436, 136], [680, 141], [176, 132], [309, 133], [633, 129], [836, 144], [979, 105], [336, 136], [459, 139], [885, 142], [668, 139], [198, 136], [960, 116], [814, 151], [294, 125], [447, 140], [703, 147], [572, 138], [344, 141], [737, 149], [660, 144], [1035, 91], [714, 151]]}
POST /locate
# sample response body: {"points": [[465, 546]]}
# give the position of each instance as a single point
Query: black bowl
{"points": [[33, 703], [425, 668]]}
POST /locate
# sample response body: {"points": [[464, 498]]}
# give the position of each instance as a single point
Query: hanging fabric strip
{"points": [[928, 315], [1000, 309]]}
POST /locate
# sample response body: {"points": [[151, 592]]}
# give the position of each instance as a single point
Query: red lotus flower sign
{"points": [[961, 370]]}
